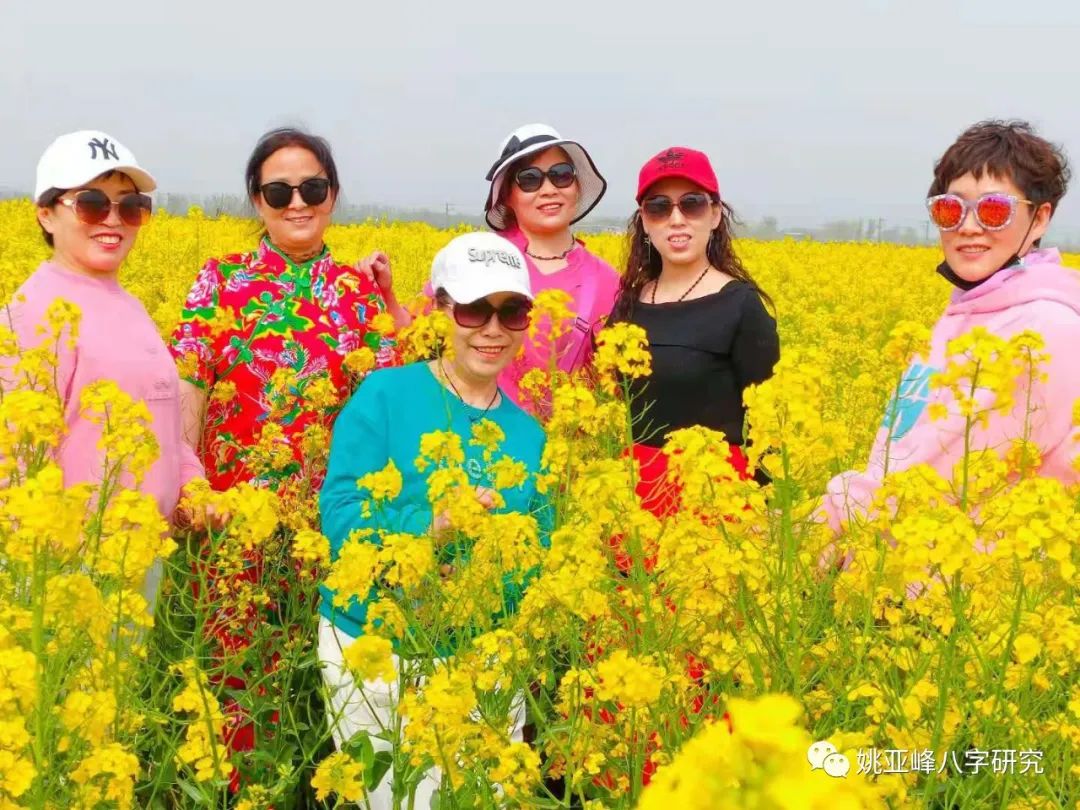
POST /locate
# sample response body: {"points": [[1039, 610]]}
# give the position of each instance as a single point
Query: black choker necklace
{"points": [[483, 413], [562, 255]]}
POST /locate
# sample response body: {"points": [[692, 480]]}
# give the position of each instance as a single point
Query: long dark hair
{"points": [[644, 263]]}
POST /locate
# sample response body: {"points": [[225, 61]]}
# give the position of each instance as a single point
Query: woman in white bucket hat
{"points": [[540, 185]]}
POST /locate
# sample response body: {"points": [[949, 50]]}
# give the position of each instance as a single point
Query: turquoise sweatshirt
{"points": [[384, 421]]}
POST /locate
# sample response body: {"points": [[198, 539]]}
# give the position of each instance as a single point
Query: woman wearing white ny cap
{"points": [[92, 200], [481, 282], [541, 184]]}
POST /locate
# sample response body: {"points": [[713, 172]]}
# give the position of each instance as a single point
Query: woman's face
{"points": [[91, 249], [547, 210], [975, 253], [298, 228], [680, 239], [481, 353]]}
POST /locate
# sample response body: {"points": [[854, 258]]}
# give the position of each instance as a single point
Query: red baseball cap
{"points": [[678, 161]]}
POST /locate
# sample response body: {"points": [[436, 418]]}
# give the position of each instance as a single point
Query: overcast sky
{"points": [[809, 111]]}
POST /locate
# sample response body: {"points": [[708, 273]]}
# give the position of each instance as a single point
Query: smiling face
{"points": [[482, 353], [91, 249], [548, 210], [975, 253], [680, 240], [298, 228]]}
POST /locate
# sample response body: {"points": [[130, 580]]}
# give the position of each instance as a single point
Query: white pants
{"points": [[370, 708], [152, 584]]}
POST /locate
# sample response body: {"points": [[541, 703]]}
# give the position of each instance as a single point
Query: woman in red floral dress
{"points": [[285, 312], [270, 346]]}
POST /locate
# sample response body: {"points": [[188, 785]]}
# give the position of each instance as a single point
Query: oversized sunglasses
{"points": [[92, 206], [561, 175], [513, 314], [278, 194], [693, 205], [993, 212]]}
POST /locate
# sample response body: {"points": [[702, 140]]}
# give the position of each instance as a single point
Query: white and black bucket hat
{"points": [[532, 139]]}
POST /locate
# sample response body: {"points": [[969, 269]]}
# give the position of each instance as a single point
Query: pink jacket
{"points": [[1041, 295], [117, 341]]}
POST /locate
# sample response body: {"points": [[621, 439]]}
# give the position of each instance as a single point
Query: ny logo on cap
{"points": [[108, 150], [671, 159]]}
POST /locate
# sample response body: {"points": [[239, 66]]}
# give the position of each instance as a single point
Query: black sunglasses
{"points": [[693, 205], [513, 314], [561, 175], [278, 194], [92, 207]]}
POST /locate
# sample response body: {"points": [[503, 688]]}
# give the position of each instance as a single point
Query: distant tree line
{"points": [[768, 228]]}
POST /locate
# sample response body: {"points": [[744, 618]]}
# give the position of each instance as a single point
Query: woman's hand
{"points": [[442, 522], [199, 519], [377, 268]]}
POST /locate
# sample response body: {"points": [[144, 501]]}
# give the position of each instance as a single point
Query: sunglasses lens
{"points": [[473, 315], [514, 315], [277, 195], [994, 212], [694, 205], [315, 190], [530, 179], [561, 175], [657, 207], [92, 206], [946, 212], [135, 209]]}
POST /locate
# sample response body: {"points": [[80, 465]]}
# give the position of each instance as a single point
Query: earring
{"points": [[648, 243]]}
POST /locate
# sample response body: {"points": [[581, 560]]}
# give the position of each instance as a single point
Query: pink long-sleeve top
{"points": [[117, 341]]}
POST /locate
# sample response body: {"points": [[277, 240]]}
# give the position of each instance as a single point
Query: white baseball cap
{"points": [[78, 157], [476, 265]]}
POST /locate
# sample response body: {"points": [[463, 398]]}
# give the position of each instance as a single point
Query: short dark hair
{"points": [[1008, 149], [51, 197], [277, 139]]}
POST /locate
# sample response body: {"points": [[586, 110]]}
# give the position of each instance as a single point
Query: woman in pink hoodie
{"points": [[541, 184], [91, 197], [992, 198], [92, 201]]}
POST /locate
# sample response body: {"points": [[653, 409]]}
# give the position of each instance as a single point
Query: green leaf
{"points": [[193, 792], [383, 762], [359, 747]]}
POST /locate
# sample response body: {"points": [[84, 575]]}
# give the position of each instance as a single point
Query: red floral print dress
{"points": [[250, 315], [268, 339]]}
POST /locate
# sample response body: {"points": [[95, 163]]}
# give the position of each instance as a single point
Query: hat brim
{"points": [[591, 183], [467, 293]]}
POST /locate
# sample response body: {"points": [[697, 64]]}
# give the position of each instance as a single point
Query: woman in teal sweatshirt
{"points": [[481, 281]]}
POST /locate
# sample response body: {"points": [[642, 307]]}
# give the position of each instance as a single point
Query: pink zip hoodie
{"points": [[1041, 295], [117, 341]]}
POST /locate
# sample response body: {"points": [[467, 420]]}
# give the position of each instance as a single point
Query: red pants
{"points": [[661, 496], [657, 492]]}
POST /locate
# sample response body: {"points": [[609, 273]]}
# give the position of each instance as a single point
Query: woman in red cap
{"points": [[709, 332]]}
